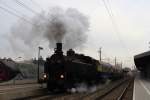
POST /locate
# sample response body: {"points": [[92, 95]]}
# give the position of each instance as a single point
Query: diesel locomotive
{"points": [[65, 71]]}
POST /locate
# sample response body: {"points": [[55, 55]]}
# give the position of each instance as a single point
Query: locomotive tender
{"points": [[65, 71]]}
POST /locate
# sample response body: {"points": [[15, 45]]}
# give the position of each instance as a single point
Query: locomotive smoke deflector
{"points": [[58, 49]]}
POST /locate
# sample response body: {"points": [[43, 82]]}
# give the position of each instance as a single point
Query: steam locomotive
{"points": [[65, 71]]}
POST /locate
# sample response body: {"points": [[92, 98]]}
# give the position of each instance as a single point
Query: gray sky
{"points": [[130, 17]]}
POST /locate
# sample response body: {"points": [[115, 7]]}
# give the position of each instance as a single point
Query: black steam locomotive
{"points": [[65, 71]]}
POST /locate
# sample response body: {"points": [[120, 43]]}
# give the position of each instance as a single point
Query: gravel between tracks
{"points": [[84, 95]]}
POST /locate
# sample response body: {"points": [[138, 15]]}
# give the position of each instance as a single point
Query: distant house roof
{"points": [[9, 63]]}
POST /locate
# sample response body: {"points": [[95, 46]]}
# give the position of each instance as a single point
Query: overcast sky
{"points": [[122, 34]]}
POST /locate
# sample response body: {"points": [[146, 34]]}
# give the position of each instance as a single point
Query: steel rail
{"points": [[112, 89], [125, 90]]}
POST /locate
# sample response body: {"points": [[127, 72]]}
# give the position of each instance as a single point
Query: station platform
{"points": [[141, 89]]}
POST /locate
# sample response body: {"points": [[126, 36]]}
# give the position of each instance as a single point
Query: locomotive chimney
{"points": [[59, 46], [58, 49]]}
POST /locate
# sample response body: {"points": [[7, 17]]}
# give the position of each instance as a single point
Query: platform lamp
{"points": [[40, 48]]}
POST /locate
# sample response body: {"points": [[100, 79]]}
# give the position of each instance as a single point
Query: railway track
{"points": [[19, 82], [127, 94], [20, 91], [121, 90]]}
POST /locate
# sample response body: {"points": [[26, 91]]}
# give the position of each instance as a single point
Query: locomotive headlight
{"points": [[61, 76], [45, 76]]}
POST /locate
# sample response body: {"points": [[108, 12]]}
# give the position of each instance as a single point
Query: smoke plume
{"points": [[58, 25], [66, 26]]}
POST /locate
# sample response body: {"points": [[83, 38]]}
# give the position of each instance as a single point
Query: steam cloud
{"points": [[67, 26], [83, 87], [58, 25]]}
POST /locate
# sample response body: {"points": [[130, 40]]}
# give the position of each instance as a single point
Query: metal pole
{"points": [[121, 64], [100, 54], [38, 66], [115, 61], [38, 78]]}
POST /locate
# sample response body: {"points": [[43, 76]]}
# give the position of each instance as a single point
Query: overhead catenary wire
{"points": [[37, 4], [12, 9], [115, 26], [20, 3], [111, 15], [29, 9], [16, 15], [110, 8]]}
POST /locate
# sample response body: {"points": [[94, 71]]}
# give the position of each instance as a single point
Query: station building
{"points": [[142, 62]]}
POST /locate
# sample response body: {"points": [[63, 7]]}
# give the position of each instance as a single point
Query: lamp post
{"points": [[40, 48]]}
